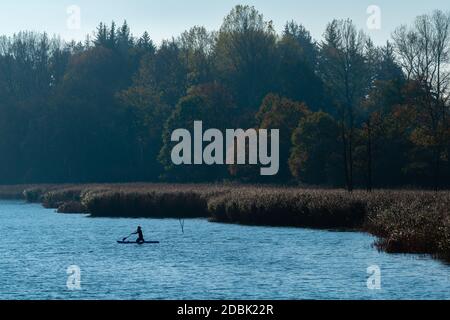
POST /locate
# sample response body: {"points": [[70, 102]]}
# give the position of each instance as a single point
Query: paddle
{"points": [[124, 239]]}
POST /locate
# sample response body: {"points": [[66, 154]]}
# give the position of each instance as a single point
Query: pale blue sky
{"points": [[167, 18]]}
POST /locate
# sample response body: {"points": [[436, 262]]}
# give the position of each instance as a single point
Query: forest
{"points": [[351, 114]]}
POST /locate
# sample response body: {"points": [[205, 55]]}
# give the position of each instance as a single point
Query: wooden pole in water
{"points": [[182, 225]]}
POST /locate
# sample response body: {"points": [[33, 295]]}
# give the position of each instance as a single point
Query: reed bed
{"points": [[36, 194], [13, 192], [153, 201], [289, 207], [411, 222]]}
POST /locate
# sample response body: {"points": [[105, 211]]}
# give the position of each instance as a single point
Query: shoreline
{"points": [[415, 222]]}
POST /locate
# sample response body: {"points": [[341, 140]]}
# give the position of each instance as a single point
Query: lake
{"points": [[208, 261]]}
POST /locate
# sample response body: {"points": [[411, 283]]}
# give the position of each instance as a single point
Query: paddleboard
{"points": [[134, 242]]}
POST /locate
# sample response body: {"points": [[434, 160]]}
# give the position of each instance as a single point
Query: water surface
{"points": [[208, 261]]}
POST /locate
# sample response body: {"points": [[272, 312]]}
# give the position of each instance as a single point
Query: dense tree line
{"points": [[350, 113]]}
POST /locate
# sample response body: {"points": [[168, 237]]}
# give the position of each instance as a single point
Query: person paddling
{"points": [[140, 235]]}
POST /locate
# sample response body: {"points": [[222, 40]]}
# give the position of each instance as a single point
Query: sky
{"points": [[164, 19]]}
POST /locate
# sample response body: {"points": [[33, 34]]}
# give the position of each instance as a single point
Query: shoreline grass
{"points": [[403, 221], [151, 201]]}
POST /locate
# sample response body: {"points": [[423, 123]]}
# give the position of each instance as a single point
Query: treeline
{"points": [[350, 113]]}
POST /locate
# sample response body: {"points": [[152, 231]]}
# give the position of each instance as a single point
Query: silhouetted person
{"points": [[140, 235]]}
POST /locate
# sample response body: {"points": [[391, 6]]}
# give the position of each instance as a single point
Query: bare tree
{"points": [[424, 52]]}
